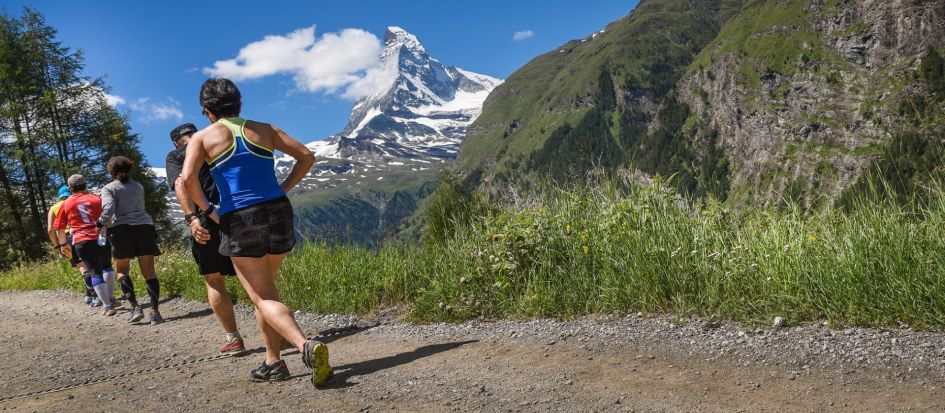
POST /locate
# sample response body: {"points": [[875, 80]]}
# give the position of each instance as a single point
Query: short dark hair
{"points": [[181, 131], [120, 168], [221, 97], [78, 188]]}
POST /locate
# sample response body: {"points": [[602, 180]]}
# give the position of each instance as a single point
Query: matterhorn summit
{"points": [[417, 115]]}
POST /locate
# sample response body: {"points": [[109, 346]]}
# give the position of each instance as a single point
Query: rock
{"points": [[778, 322]]}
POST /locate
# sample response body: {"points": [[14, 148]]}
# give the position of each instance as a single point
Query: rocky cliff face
{"points": [[799, 105], [762, 102]]}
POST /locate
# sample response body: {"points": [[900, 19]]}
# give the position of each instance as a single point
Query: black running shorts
{"points": [[130, 241], [208, 257], [258, 230], [75, 254], [92, 255]]}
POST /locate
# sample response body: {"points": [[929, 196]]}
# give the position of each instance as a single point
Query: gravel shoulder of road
{"points": [[626, 363]]}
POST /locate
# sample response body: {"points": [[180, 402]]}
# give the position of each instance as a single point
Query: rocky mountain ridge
{"points": [[760, 102]]}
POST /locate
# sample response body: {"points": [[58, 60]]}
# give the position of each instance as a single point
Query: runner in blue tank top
{"points": [[255, 216]]}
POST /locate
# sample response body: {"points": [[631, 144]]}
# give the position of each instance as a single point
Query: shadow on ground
{"points": [[192, 314], [363, 368]]}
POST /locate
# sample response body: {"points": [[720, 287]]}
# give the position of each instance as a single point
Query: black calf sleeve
{"points": [[89, 292], [154, 292], [128, 289]]}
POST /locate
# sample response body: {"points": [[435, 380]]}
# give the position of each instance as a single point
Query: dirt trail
{"points": [[51, 339]]}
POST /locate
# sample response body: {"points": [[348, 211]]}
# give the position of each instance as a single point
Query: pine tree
{"points": [[54, 122]]}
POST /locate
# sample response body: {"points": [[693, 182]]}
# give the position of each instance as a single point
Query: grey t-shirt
{"points": [[123, 204]]}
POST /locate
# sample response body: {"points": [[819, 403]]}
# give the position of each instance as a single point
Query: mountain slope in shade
{"points": [[394, 145]]}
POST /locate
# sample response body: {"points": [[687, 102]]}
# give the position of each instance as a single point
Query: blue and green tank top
{"points": [[244, 172]]}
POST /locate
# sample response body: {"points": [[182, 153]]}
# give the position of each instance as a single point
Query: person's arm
{"points": [[198, 231], [304, 158], [174, 165], [60, 225], [108, 206], [51, 228], [196, 154]]}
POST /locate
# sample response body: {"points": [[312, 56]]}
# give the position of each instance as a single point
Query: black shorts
{"points": [[130, 241], [92, 255], [208, 257], [75, 254], [257, 230]]}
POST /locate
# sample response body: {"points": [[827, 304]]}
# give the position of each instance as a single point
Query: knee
{"points": [[215, 283]]}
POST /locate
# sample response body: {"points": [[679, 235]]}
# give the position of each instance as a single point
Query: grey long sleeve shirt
{"points": [[123, 204]]}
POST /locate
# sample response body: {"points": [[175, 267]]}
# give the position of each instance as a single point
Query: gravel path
{"points": [[50, 339]]}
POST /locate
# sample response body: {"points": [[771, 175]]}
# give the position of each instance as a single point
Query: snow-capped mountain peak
{"points": [[396, 37], [420, 117]]}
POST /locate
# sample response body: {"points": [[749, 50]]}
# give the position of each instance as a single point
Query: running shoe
{"points": [[156, 319], [96, 302], [109, 310], [276, 372], [88, 300], [315, 357], [136, 314], [233, 348]]}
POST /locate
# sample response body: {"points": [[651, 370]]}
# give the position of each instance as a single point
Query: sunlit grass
{"points": [[613, 250]]}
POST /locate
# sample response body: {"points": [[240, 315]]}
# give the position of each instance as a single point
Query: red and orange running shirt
{"points": [[80, 211]]}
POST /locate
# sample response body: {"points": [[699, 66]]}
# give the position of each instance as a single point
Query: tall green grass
{"points": [[617, 249]]}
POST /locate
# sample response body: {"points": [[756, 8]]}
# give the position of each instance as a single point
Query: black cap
{"points": [[181, 131]]}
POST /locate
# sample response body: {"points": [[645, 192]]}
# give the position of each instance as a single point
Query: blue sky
{"points": [[153, 54]]}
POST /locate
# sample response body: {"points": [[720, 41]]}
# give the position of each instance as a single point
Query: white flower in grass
{"points": [[673, 254]]}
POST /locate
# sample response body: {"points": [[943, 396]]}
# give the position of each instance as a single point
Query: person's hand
{"points": [[64, 251], [200, 234]]}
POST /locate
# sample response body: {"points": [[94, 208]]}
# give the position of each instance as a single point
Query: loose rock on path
{"points": [[51, 339]]}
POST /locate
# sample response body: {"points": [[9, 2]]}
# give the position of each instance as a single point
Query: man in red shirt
{"points": [[80, 212]]}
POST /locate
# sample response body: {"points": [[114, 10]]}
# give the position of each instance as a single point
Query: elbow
{"points": [[307, 158], [185, 180]]}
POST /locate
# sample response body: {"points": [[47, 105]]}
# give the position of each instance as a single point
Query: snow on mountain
{"points": [[419, 116]]}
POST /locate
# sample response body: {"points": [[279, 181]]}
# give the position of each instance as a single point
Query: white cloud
{"points": [[346, 61], [522, 35], [148, 111], [114, 100], [376, 79]]}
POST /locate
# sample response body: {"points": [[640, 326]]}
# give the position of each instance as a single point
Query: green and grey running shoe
{"points": [[315, 357], [276, 372]]}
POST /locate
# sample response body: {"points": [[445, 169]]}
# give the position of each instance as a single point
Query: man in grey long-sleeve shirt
{"points": [[131, 233]]}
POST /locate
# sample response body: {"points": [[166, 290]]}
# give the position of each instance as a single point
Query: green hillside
{"points": [[761, 102], [563, 104]]}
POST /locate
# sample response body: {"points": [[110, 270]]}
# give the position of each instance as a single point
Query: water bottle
{"points": [[102, 238]]}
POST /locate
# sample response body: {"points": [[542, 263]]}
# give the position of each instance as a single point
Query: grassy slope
{"points": [[557, 87], [621, 250]]}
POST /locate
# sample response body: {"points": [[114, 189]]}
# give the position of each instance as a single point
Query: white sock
{"points": [[103, 294], [109, 277], [232, 336]]}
